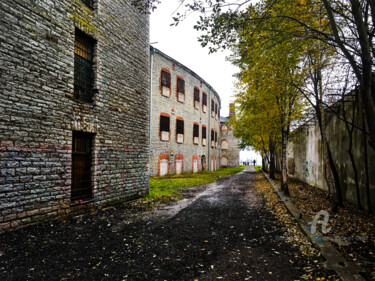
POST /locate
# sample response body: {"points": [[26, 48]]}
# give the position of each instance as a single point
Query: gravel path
{"points": [[225, 232]]}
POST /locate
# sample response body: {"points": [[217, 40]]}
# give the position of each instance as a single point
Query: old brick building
{"points": [[185, 119], [74, 106], [230, 151]]}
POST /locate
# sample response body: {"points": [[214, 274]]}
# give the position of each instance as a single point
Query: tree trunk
{"points": [[284, 173], [272, 160], [368, 194]]}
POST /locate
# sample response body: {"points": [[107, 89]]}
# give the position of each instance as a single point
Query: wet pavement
{"points": [[224, 232]]}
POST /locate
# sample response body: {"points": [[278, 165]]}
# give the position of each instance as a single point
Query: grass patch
{"points": [[169, 187]]}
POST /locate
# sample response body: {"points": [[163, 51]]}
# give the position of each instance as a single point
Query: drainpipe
{"points": [[150, 114], [219, 135], [209, 129]]}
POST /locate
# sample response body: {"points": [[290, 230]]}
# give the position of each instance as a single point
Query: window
{"points": [[83, 65], [212, 108], [196, 133], [215, 110], [196, 98], [164, 127], [224, 129], [204, 102], [179, 130], [204, 135], [215, 139], [224, 144], [212, 138], [88, 3], [180, 89], [165, 81], [81, 166]]}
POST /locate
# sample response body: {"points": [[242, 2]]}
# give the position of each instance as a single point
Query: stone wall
{"points": [[170, 152], [305, 154], [39, 112], [230, 149]]}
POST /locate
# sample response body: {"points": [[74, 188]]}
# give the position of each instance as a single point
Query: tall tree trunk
{"points": [[272, 159], [338, 202], [284, 173], [368, 194]]}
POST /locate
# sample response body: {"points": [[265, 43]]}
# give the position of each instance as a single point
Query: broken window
{"points": [[164, 128], [88, 3], [196, 133], [215, 139], [196, 98], [81, 166], [212, 108], [204, 102], [165, 83], [180, 131], [180, 89], [212, 138], [83, 64], [204, 135]]}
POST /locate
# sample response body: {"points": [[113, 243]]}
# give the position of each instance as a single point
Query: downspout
{"points": [[209, 129], [150, 114], [219, 134]]}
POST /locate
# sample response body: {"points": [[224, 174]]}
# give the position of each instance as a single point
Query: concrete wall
{"points": [[38, 111], [305, 155], [170, 151]]}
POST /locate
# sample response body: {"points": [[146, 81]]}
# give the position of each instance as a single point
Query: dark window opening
{"points": [[180, 86], [81, 166], [212, 137], [164, 127], [212, 106], [216, 137], [88, 3], [165, 79], [215, 108], [83, 64], [204, 99], [180, 126], [204, 133], [196, 94], [196, 131]]}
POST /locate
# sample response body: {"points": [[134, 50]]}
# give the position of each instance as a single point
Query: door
{"points": [[178, 166], [163, 167], [195, 166], [204, 163]]}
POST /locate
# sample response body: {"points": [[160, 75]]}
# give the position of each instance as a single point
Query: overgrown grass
{"points": [[168, 187]]}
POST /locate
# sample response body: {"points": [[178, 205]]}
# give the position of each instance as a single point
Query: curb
{"points": [[347, 271]]}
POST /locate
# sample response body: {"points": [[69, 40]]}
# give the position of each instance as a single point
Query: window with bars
{"points": [[204, 135], [88, 3], [196, 133], [180, 131], [180, 89], [81, 166], [83, 66], [204, 102], [196, 98], [165, 83], [164, 128]]}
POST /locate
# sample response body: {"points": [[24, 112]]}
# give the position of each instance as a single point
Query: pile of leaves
{"points": [[293, 234]]}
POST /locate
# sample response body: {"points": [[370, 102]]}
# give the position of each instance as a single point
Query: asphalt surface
{"points": [[224, 233]]}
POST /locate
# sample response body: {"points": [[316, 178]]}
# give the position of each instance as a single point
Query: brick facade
{"points": [[184, 109], [39, 109]]}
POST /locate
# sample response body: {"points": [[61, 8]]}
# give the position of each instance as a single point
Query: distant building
{"points": [[230, 150], [74, 107], [184, 119]]}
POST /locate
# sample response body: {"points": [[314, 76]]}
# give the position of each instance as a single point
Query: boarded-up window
{"points": [[81, 166], [195, 165], [163, 167], [204, 102], [180, 90], [83, 62], [224, 161], [196, 98], [179, 166], [165, 83], [180, 131], [196, 133], [204, 135], [164, 127], [224, 144]]}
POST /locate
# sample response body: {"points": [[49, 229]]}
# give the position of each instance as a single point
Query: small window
{"points": [[179, 131], [224, 145], [204, 102], [83, 66], [204, 135], [215, 110], [196, 133], [180, 89], [196, 98], [212, 138], [212, 108], [224, 129], [164, 128], [216, 139], [165, 83], [88, 3]]}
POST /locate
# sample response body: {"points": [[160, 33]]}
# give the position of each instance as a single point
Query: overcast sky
{"points": [[181, 44]]}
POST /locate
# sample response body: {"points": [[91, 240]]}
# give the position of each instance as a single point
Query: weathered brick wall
{"points": [[38, 112], [232, 153], [185, 110]]}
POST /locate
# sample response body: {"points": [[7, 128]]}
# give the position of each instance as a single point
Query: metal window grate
{"points": [[164, 123], [88, 3], [83, 74], [180, 86], [180, 127], [196, 131], [165, 79], [196, 94]]}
